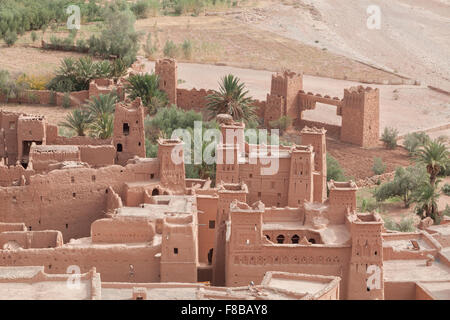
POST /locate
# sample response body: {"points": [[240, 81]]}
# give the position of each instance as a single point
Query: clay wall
{"points": [[44, 155], [111, 261], [13, 174], [12, 227], [68, 200], [243, 267], [32, 239], [193, 100], [122, 230], [98, 156]]}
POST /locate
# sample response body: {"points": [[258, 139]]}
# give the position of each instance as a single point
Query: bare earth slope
{"points": [[413, 40]]}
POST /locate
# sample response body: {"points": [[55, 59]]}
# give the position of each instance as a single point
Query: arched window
{"points": [[155, 192], [295, 238], [280, 238]]}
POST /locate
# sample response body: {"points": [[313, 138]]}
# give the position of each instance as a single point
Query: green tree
{"points": [[101, 105], [426, 197], [117, 38], [334, 169], [102, 127], [78, 121], [146, 87], [415, 140], [232, 98], [434, 155], [403, 185]]}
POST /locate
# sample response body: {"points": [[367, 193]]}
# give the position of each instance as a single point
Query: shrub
{"points": [[415, 140], [149, 47], [34, 36], [170, 49], [10, 38], [281, 124], [334, 170], [446, 211], [10, 87], [406, 224], [66, 100], [368, 205], [140, 8], [378, 166], [187, 49], [389, 137], [33, 82], [446, 189], [117, 38]]}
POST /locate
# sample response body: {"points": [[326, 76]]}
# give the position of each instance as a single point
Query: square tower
{"points": [[316, 138], [301, 182], [179, 253], [171, 161], [366, 262], [287, 85], [228, 192], [166, 69], [342, 200], [361, 116], [129, 134]]}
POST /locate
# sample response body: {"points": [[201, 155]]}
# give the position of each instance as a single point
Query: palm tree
{"points": [[78, 121], [101, 105], [103, 126], [146, 87], [434, 155], [426, 197], [231, 99]]}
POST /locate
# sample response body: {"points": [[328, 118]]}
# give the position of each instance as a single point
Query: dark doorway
{"points": [[155, 192], [312, 241], [119, 147], [26, 146], [295, 238], [210, 255]]}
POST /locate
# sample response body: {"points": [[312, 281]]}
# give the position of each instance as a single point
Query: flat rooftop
{"points": [[414, 270], [440, 290], [31, 283], [164, 205], [171, 293]]}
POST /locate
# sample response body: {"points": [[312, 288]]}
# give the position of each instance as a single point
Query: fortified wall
{"points": [[359, 108]]}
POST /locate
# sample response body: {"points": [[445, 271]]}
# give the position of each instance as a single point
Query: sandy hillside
{"points": [[413, 39]]}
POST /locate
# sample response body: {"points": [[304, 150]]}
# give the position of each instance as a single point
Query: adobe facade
{"points": [[136, 227]]}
